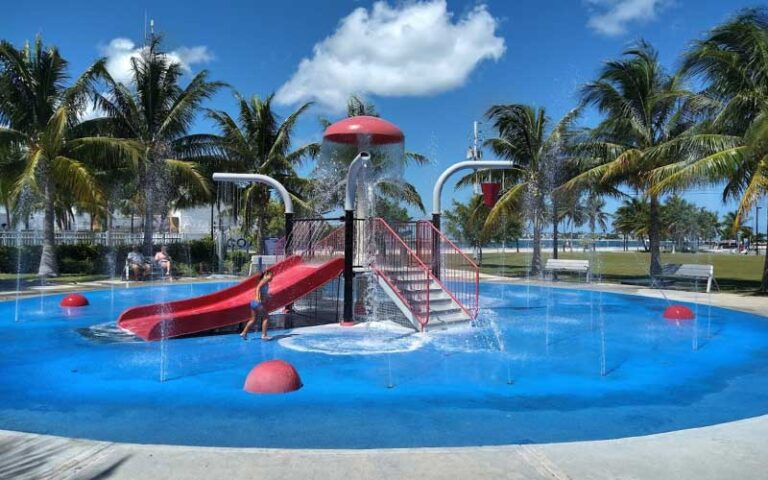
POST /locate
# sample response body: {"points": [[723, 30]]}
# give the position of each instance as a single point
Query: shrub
{"points": [[81, 258], [20, 260], [190, 258], [237, 262]]}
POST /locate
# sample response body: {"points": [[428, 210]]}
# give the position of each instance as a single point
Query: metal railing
{"points": [[401, 268], [454, 270], [317, 241]]}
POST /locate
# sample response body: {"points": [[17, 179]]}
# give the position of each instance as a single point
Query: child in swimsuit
{"points": [[258, 308]]}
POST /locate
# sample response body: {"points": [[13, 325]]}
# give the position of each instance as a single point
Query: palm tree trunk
{"points": [[147, 241], [764, 283], [536, 259], [48, 265], [538, 222], [262, 230], [554, 227], [8, 221], [653, 237], [149, 203]]}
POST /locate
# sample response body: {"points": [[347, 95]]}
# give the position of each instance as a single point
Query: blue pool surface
{"points": [[543, 365]]}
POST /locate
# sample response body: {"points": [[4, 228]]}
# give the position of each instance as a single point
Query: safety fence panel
{"points": [[453, 269], [400, 268]]}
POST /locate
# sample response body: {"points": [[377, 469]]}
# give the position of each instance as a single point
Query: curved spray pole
{"points": [[438, 190], [353, 174], [267, 180]]}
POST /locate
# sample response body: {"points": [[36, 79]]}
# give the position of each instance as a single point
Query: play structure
{"points": [[429, 280]]}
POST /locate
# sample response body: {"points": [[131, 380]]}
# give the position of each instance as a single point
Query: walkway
{"points": [[735, 450]]}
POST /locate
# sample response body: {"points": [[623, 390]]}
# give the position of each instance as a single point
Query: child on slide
{"points": [[258, 307]]}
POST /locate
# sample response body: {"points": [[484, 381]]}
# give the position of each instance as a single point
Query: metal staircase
{"points": [[428, 295]]}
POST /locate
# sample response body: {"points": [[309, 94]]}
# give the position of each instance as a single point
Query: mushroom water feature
{"points": [[362, 133]]}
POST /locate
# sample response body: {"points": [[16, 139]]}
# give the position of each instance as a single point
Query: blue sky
{"points": [[433, 81]]}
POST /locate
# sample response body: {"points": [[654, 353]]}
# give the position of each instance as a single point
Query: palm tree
{"points": [[730, 225], [647, 122], [11, 164], [570, 210], [40, 117], [525, 138], [156, 113], [258, 142], [732, 62], [633, 218], [596, 217], [680, 219], [466, 223], [357, 106]]}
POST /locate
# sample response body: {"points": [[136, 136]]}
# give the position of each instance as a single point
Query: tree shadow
{"points": [[42, 457]]}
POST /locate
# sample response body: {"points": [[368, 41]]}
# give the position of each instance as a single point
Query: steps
{"points": [[420, 298], [416, 284]]}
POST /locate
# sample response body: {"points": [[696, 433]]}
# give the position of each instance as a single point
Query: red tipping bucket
{"points": [[349, 130], [490, 193]]}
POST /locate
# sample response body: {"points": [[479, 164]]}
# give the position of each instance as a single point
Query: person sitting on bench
{"points": [[164, 260], [140, 266]]}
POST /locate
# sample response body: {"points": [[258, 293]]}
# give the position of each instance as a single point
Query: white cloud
{"points": [[412, 49], [611, 17], [120, 51]]}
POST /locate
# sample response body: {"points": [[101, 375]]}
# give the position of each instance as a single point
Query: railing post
{"points": [[288, 233], [349, 236], [436, 245]]}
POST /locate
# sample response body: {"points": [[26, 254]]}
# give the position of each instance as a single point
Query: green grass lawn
{"points": [[732, 272]]}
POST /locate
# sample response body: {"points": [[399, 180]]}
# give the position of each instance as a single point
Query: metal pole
{"points": [[436, 246], [288, 233], [353, 173], [438, 190], [281, 190], [349, 275], [256, 178]]}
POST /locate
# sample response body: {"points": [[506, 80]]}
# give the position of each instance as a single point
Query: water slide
{"points": [[293, 279]]}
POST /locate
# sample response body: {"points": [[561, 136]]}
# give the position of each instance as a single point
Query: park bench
{"points": [[690, 271], [554, 265]]}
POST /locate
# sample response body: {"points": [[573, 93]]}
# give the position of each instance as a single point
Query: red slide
{"points": [[293, 279]]}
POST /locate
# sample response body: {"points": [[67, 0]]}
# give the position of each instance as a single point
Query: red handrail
{"points": [[449, 242], [453, 270], [385, 259], [452, 274]]}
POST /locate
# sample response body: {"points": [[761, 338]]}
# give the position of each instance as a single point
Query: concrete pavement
{"points": [[736, 450]]}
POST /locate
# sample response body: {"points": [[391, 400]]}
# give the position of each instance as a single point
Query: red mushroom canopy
{"points": [[349, 130]]}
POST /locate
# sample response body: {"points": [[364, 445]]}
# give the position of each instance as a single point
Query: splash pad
{"points": [[529, 371], [498, 364]]}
